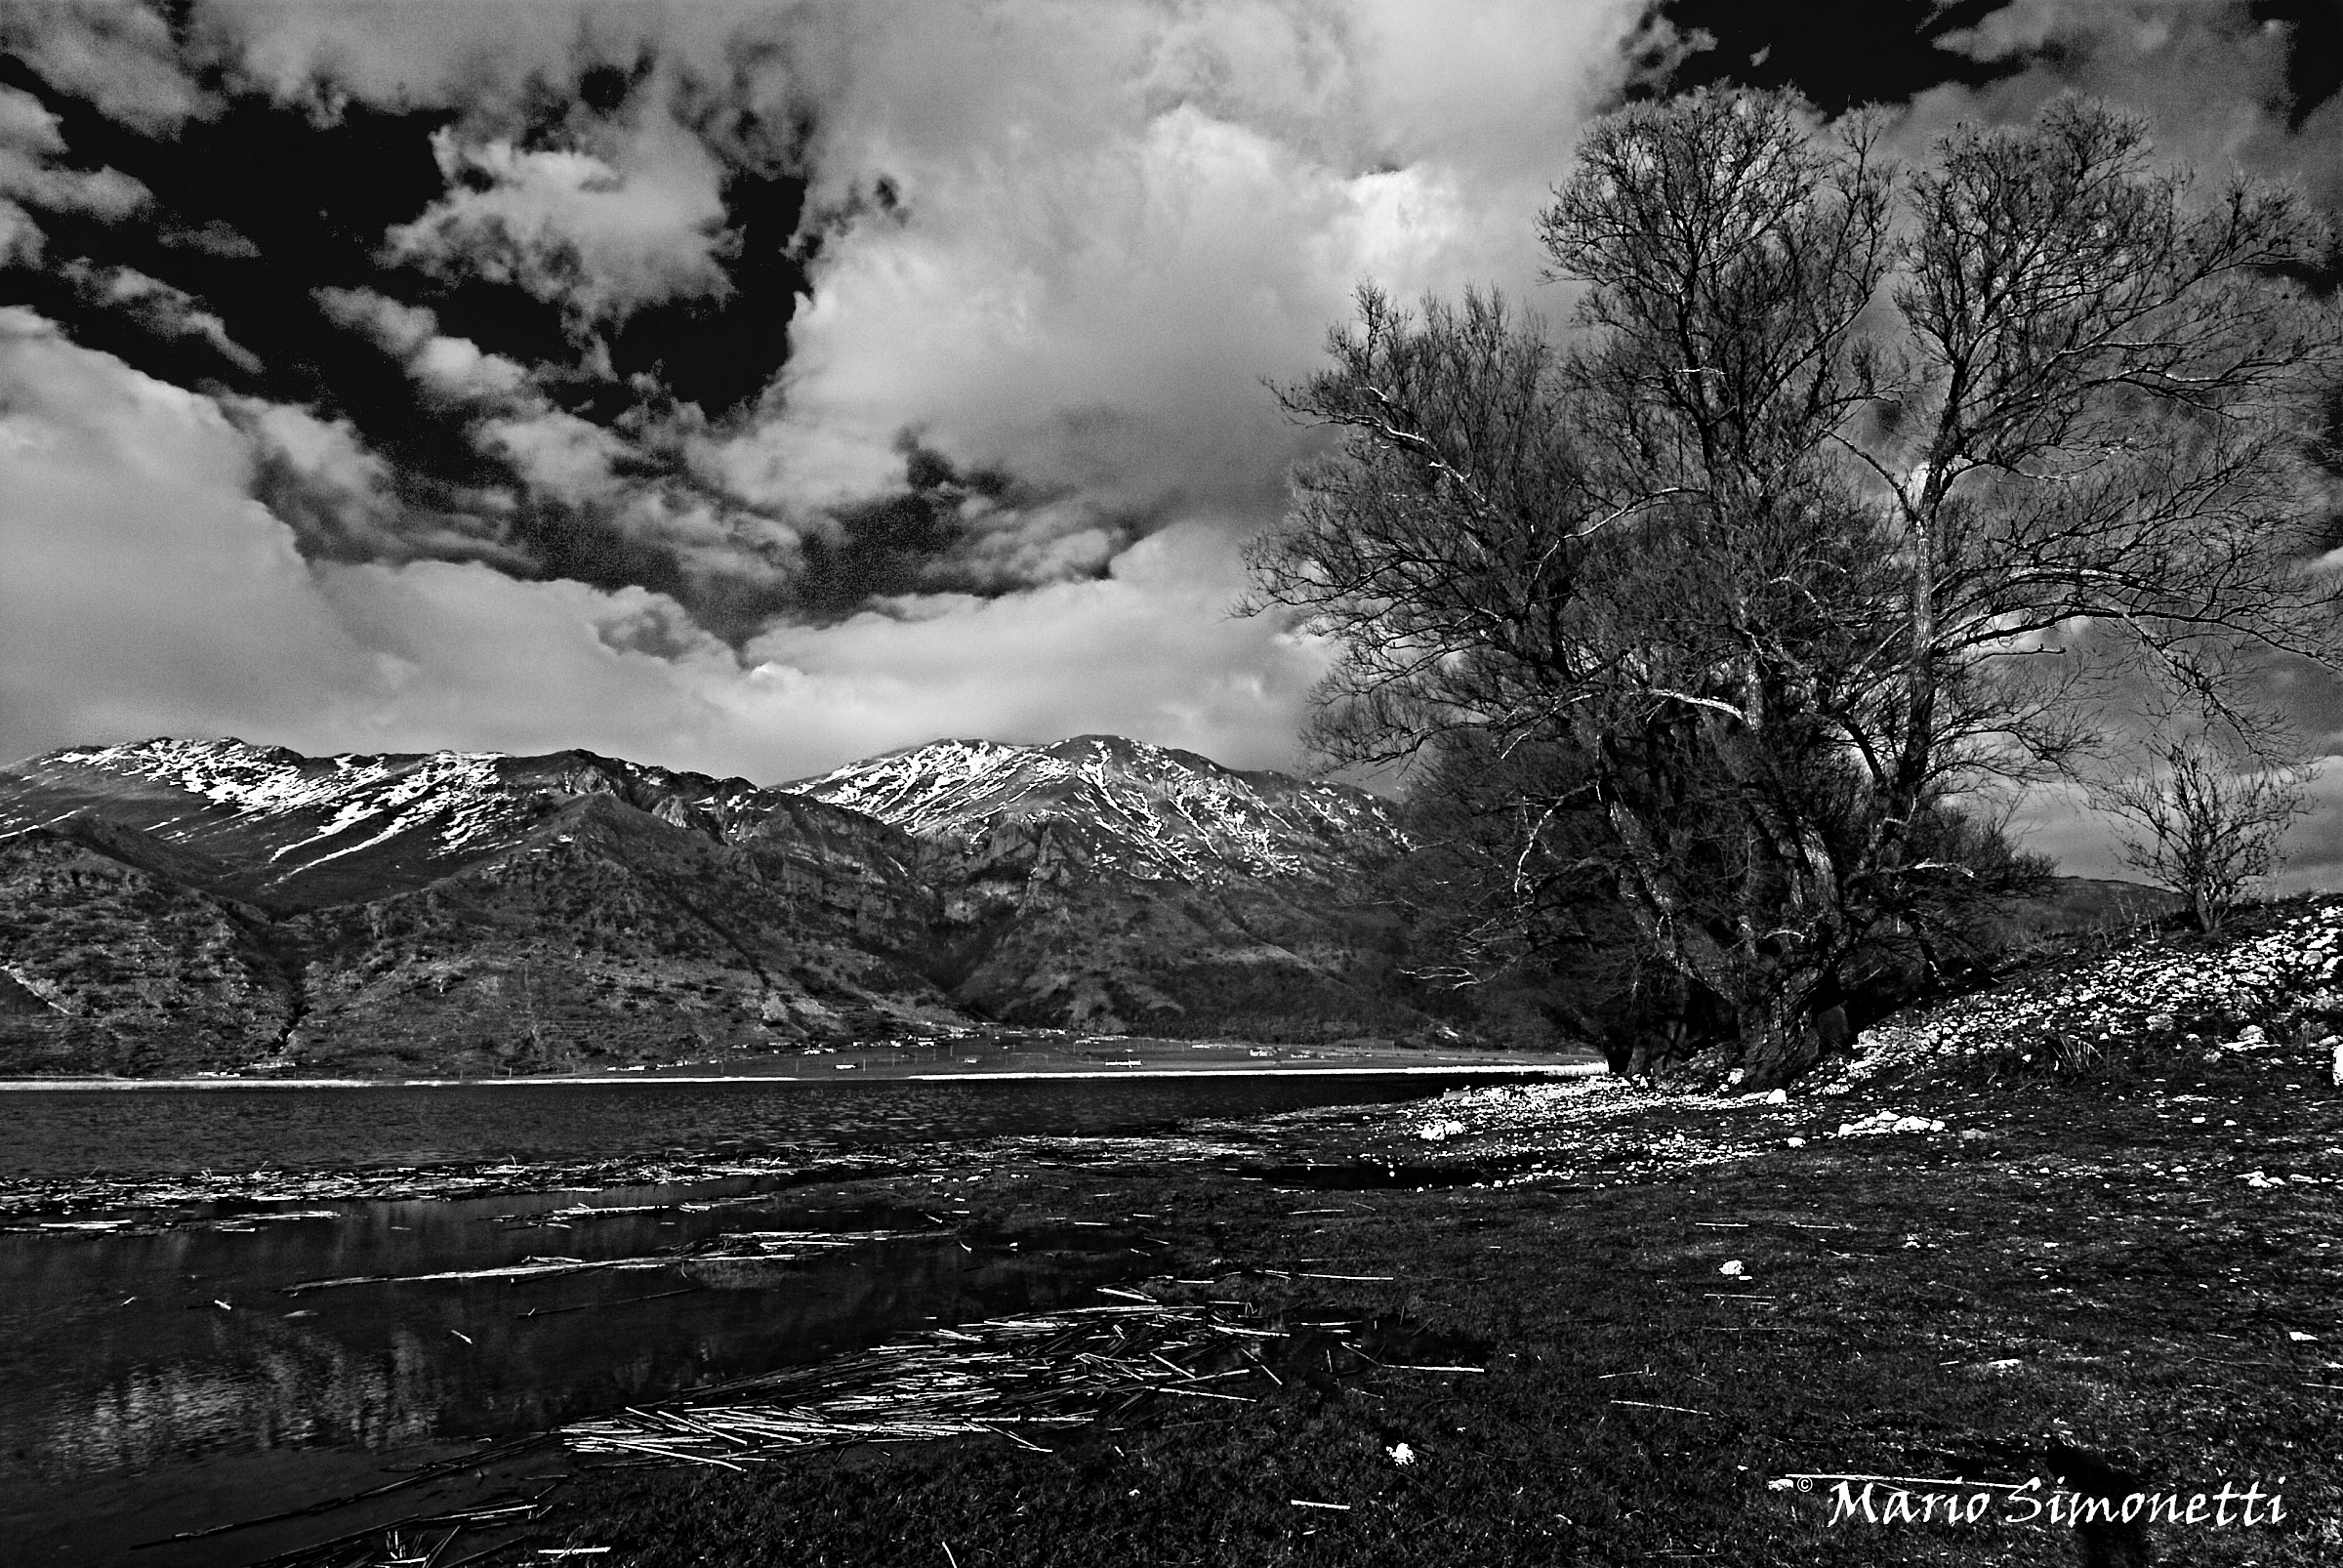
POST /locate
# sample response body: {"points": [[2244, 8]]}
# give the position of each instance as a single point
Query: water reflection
{"points": [[153, 1383], [129, 1364]]}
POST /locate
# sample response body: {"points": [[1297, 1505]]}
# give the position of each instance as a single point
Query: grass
{"points": [[2093, 1274]]}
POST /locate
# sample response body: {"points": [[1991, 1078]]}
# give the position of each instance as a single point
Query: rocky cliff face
{"points": [[184, 905]]}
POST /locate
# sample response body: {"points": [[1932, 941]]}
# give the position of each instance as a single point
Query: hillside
{"points": [[1118, 885], [211, 905]]}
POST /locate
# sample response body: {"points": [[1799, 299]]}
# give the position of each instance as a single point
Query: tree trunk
{"points": [[1778, 1041]]}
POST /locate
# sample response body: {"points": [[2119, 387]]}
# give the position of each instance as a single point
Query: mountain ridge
{"points": [[386, 910]]}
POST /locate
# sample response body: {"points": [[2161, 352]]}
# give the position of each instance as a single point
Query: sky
{"points": [[753, 388]]}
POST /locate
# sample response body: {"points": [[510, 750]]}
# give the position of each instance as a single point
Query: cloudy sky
{"points": [[752, 387]]}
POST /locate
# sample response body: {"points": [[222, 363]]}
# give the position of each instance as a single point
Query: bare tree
{"points": [[2207, 811], [1843, 482]]}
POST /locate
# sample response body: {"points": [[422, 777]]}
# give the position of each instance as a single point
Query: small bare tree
{"points": [[2208, 812]]}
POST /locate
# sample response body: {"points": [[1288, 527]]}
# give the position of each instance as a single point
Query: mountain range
{"points": [[174, 906]]}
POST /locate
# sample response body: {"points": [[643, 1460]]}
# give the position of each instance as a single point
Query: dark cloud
{"points": [[493, 331], [1839, 53], [1842, 52], [503, 309], [973, 531], [433, 386], [2314, 51], [346, 503]]}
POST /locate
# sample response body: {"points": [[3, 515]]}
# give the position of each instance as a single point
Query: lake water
{"points": [[51, 1134], [168, 1379]]}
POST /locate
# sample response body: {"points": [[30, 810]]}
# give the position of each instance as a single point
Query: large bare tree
{"points": [[1841, 484]]}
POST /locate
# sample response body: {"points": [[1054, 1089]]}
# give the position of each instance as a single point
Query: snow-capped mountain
{"points": [[295, 830], [1118, 885], [176, 904], [1107, 803]]}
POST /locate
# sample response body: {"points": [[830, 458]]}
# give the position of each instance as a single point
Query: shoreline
{"points": [[1480, 1069], [1524, 1264], [1689, 1270]]}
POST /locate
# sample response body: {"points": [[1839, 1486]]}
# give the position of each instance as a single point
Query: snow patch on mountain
{"points": [[458, 796], [1153, 811], [1095, 803]]}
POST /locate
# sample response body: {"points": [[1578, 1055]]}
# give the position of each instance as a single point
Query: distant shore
{"points": [[1036, 1057], [1542, 1068]]}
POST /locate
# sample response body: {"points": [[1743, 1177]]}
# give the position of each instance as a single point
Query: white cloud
{"points": [[1114, 228], [118, 53], [25, 125], [1114, 220], [455, 369], [1150, 650], [452, 370], [632, 217], [29, 144], [443, 50], [559, 453], [2210, 80], [1119, 217], [106, 193], [21, 238], [162, 308], [399, 330], [148, 594]]}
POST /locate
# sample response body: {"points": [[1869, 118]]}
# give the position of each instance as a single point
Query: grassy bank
{"points": [[2124, 1261]]}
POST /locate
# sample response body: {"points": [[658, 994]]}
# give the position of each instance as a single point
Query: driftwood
{"points": [[1007, 1377], [492, 1454], [740, 1247]]}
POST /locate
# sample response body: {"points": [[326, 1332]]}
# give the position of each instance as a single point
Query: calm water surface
{"points": [[63, 1132], [156, 1382]]}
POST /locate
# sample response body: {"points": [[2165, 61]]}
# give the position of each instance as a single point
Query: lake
{"points": [[50, 1133], [174, 1374]]}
